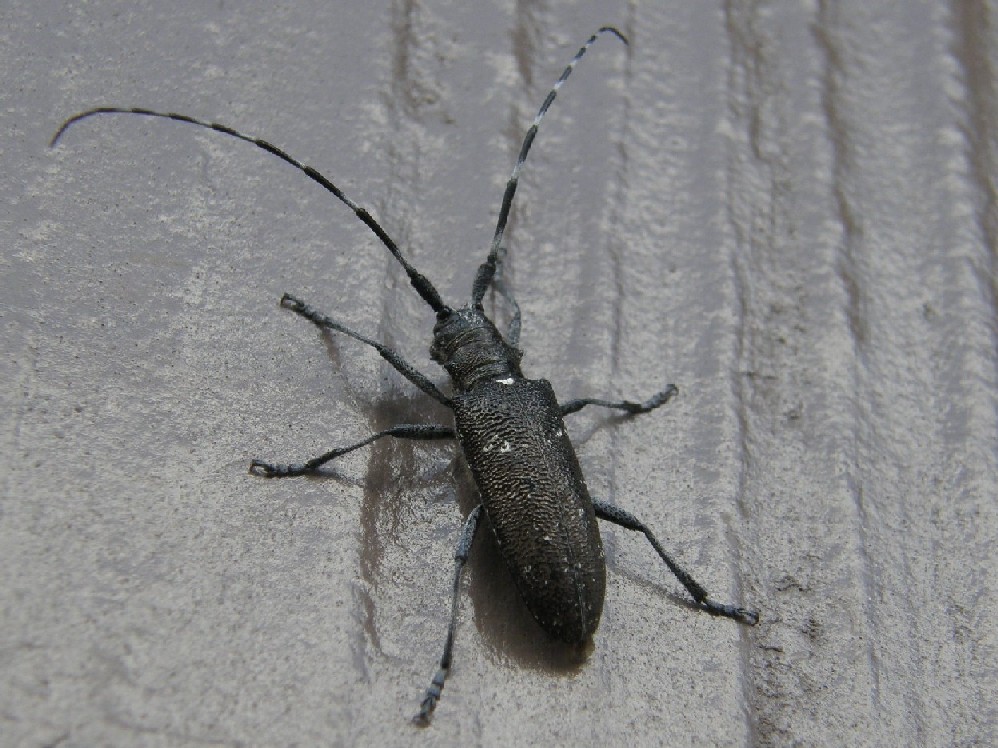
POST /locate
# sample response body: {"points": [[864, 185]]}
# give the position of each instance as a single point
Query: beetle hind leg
{"points": [[618, 516], [429, 702]]}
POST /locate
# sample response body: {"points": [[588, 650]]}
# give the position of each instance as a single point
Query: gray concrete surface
{"points": [[787, 208]]}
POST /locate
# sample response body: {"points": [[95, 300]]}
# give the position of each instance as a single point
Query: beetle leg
{"points": [[429, 702], [402, 431], [627, 520], [500, 285], [402, 366], [573, 406]]}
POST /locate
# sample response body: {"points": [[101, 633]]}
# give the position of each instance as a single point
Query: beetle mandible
{"points": [[510, 429]]}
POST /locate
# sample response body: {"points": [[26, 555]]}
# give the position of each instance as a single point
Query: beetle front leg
{"points": [[627, 520], [402, 431], [573, 406], [500, 285], [429, 702], [402, 366]]}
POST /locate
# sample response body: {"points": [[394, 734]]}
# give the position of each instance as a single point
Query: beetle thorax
{"points": [[470, 348]]}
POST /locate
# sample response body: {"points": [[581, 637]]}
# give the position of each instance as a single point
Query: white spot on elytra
{"points": [[505, 381]]}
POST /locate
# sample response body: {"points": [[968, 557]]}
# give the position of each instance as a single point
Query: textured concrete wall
{"points": [[788, 209]]}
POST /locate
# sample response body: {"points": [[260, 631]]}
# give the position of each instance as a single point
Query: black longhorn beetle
{"points": [[511, 430]]}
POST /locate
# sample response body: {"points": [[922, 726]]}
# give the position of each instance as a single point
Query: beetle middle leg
{"points": [[627, 520], [573, 406], [402, 431]]}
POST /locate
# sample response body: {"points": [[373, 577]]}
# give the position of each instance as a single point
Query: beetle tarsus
{"points": [[429, 703]]}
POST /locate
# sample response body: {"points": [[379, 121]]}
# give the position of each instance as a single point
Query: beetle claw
{"points": [[264, 469]]}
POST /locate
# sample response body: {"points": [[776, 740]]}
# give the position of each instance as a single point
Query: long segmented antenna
{"points": [[487, 269], [419, 281]]}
